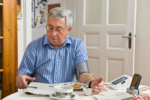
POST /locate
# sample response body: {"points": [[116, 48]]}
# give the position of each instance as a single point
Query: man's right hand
{"points": [[22, 81]]}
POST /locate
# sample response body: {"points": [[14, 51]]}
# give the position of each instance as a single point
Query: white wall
{"points": [[69, 4], [40, 31], [24, 28], [21, 33], [28, 29], [142, 47]]}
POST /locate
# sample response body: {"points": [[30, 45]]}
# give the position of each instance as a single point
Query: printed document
{"points": [[40, 88]]}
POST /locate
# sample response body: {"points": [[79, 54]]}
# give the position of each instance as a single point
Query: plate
{"points": [[73, 83], [73, 96]]}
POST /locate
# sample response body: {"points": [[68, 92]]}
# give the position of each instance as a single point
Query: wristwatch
{"points": [[90, 84]]}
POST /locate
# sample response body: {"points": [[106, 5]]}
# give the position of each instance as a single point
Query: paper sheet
{"points": [[113, 95], [40, 88]]}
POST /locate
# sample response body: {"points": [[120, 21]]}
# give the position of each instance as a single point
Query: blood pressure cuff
{"points": [[82, 68]]}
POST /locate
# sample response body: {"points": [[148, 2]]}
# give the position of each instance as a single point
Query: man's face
{"points": [[57, 31]]}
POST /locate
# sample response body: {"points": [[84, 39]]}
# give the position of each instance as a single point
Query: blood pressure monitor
{"points": [[122, 82]]}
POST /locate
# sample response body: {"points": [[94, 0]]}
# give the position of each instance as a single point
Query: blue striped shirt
{"points": [[49, 65]]}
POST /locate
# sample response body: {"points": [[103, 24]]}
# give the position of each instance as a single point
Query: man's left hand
{"points": [[97, 85]]}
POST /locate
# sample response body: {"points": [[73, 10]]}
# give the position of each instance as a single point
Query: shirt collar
{"points": [[67, 41], [46, 40]]}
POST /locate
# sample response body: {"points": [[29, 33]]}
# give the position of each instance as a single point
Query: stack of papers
{"points": [[113, 95], [40, 88]]}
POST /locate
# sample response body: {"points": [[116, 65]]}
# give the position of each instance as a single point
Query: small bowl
{"points": [[87, 91], [63, 91]]}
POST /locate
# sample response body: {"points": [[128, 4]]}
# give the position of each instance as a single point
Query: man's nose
{"points": [[54, 32]]}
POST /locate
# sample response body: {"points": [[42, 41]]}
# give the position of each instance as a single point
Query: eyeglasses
{"points": [[57, 30]]}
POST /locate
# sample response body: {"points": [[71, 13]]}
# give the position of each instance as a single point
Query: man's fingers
{"points": [[96, 91], [101, 84], [98, 85], [100, 79], [30, 78], [22, 81], [24, 84], [19, 84], [98, 88]]}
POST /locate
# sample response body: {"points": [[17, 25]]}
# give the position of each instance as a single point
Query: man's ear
{"points": [[69, 29]]}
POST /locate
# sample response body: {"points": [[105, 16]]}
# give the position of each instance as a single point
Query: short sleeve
{"points": [[28, 62], [80, 53]]}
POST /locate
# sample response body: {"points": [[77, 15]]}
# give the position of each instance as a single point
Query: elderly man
{"points": [[57, 57]]}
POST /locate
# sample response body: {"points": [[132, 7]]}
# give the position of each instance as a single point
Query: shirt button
{"points": [[55, 81], [56, 60], [55, 70]]}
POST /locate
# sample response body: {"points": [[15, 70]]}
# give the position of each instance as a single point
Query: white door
{"points": [[101, 25]]}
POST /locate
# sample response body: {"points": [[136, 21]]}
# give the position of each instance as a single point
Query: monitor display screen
{"points": [[120, 80], [134, 81]]}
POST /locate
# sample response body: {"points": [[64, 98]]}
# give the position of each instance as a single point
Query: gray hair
{"points": [[60, 12]]}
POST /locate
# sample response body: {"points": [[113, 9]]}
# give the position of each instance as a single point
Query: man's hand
{"points": [[22, 81], [97, 85]]}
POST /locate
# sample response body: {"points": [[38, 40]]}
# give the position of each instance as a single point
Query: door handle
{"points": [[129, 38]]}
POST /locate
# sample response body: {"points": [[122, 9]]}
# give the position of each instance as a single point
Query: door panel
{"points": [[115, 42], [114, 63], [117, 11], [94, 61], [101, 25], [89, 13]]}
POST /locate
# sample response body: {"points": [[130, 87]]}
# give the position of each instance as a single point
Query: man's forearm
{"points": [[84, 76]]}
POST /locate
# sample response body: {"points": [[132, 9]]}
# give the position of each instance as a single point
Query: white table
{"points": [[20, 95]]}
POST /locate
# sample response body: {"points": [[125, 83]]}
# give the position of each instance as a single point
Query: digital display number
{"points": [[120, 80]]}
